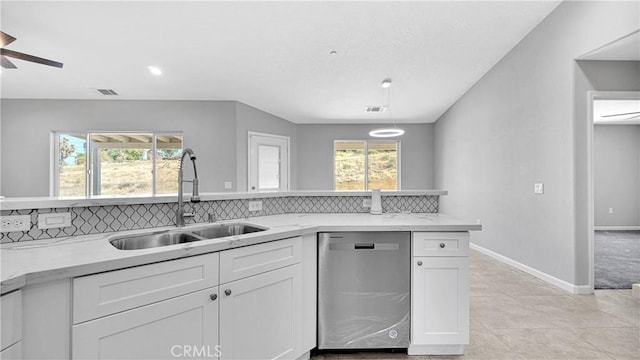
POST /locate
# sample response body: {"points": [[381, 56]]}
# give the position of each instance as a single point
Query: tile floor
{"points": [[516, 316]]}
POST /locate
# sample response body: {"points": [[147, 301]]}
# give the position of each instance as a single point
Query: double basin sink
{"points": [[181, 236]]}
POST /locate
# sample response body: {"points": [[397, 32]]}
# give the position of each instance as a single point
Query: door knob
{"points": [[213, 296], [227, 292], [419, 263]]}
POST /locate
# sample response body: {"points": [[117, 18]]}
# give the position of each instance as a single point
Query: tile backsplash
{"points": [[109, 218]]}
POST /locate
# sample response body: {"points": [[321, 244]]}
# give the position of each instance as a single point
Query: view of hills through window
{"points": [[118, 163], [355, 171]]}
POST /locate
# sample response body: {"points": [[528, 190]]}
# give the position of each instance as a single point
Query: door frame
{"points": [[288, 155], [591, 96]]}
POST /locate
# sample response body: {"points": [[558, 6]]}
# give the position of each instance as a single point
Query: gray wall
{"points": [[209, 127], [515, 127], [315, 154], [616, 174], [251, 119]]}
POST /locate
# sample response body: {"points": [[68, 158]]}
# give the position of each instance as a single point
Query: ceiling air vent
{"points": [[107, 92], [376, 109]]}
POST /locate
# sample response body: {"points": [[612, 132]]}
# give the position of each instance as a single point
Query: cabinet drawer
{"points": [[440, 244], [98, 295], [252, 260], [10, 319]]}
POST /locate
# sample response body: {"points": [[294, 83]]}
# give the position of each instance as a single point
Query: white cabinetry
{"points": [[11, 325], [157, 311], [176, 309], [185, 326], [261, 311], [439, 293]]}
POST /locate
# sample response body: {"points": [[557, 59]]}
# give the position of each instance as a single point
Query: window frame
{"points": [[54, 186], [366, 162]]}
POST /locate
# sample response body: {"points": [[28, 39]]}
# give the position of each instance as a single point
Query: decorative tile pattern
{"points": [[109, 218]]}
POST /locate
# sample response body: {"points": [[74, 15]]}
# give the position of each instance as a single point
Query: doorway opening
{"points": [[614, 148]]}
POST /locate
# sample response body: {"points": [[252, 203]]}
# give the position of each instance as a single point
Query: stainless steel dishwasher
{"points": [[363, 290]]}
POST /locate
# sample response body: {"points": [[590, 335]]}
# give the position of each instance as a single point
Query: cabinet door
{"points": [[260, 316], [440, 300], [181, 327]]}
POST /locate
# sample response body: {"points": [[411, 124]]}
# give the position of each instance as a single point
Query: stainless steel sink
{"points": [[172, 237], [223, 230], [145, 241]]}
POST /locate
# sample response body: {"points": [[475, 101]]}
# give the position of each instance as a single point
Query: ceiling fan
{"points": [[632, 115], [6, 39]]}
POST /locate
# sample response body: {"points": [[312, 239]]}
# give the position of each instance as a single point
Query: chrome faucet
{"points": [[195, 196]]}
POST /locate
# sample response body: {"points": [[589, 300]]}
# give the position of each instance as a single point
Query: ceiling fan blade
{"points": [[621, 114], [6, 63], [26, 57], [6, 39]]}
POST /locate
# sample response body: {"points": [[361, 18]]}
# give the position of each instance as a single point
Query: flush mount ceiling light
{"points": [[154, 70], [387, 132]]}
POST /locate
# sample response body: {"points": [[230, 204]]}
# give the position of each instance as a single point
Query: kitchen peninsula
{"points": [[70, 269]]}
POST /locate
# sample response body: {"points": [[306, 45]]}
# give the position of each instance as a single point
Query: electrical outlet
{"points": [[54, 220], [228, 185], [610, 210], [538, 188], [255, 205], [366, 202], [16, 223]]}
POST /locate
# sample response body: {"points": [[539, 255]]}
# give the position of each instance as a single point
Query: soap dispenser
{"points": [[376, 202]]}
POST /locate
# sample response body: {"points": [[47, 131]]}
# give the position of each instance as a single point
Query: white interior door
{"points": [[268, 162]]}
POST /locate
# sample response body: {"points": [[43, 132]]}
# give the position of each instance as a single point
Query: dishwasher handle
{"points": [[369, 246], [376, 246]]}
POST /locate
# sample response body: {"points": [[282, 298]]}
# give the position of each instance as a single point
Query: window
{"points": [[116, 163], [365, 165]]}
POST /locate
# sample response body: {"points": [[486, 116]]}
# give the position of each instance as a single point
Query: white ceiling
{"points": [[271, 55], [616, 112]]}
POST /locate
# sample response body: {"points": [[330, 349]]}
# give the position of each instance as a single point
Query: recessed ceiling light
{"points": [[155, 70], [386, 83], [333, 53]]}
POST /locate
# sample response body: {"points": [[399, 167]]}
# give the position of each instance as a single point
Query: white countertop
{"points": [[55, 202], [37, 261]]}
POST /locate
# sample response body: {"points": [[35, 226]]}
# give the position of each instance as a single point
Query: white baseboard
{"points": [[574, 289], [614, 228]]}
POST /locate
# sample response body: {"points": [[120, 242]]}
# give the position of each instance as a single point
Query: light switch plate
{"points": [[54, 220], [255, 205], [15, 223], [538, 188]]}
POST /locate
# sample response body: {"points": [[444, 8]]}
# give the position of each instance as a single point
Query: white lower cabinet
{"points": [[181, 327], [162, 310], [261, 316], [440, 299], [11, 325]]}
